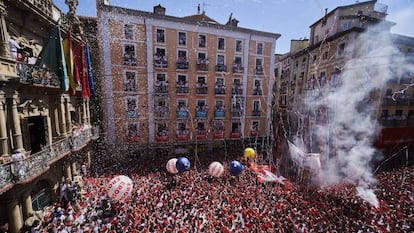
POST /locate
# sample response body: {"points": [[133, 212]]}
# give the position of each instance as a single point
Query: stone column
{"points": [[4, 35], [88, 112], [62, 114], [68, 172], [74, 169], [14, 215], [17, 131], [68, 118], [84, 113], [3, 132], [27, 207]]}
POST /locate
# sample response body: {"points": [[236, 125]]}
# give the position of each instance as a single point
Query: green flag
{"points": [[52, 57]]}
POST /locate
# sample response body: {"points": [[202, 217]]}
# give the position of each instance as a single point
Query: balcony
{"points": [[129, 60], [202, 64], [160, 89], [259, 70], [37, 75], [182, 89], [235, 134], [238, 68], [161, 112], [161, 138], [236, 112], [254, 133], [256, 113], [182, 113], [218, 134], [257, 91], [219, 90], [183, 135], [133, 139], [182, 63], [237, 89], [219, 113], [160, 61], [201, 134], [221, 68], [201, 89], [38, 163], [201, 112]]}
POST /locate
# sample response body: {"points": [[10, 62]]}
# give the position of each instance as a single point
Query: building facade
{"points": [[333, 43], [45, 133], [180, 81]]}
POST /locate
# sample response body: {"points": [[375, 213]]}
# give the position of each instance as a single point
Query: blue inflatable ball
{"points": [[183, 164], [235, 168]]}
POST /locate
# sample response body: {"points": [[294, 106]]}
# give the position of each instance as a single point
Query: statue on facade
{"points": [[71, 15]]}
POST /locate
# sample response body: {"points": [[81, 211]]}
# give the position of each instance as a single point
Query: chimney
{"points": [[159, 10]]}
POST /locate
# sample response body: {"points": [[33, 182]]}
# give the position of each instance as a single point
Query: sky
{"points": [[290, 18]]}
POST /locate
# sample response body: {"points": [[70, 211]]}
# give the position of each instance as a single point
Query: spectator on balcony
{"points": [[18, 158], [13, 47]]}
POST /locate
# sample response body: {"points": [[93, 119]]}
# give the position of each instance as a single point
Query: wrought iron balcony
{"points": [[220, 90], [201, 134], [254, 133], [182, 114], [182, 63], [162, 89], [202, 64], [219, 113], [160, 61], [161, 111], [161, 138], [235, 134], [38, 163], [183, 135], [257, 91], [256, 113], [37, 75], [238, 68], [218, 134], [221, 68], [237, 90], [201, 90], [181, 89], [201, 113], [259, 70]]}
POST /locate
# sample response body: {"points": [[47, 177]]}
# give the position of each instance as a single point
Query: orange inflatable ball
{"points": [[249, 153]]}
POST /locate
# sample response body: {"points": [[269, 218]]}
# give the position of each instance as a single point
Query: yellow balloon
{"points": [[249, 153]]}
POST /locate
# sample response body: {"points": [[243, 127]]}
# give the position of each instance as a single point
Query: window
{"points": [[182, 55], [182, 105], [259, 49], [160, 36], [219, 105], [182, 38], [129, 31], [160, 58], [239, 46], [259, 62], [129, 55], [201, 106], [131, 107], [201, 80], [235, 127], [220, 60], [160, 52], [201, 56], [132, 130], [255, 126], [238, 60], [341, 48], [130, 81], [221, 44], [220, 81], [202, 41], [256, 106]]}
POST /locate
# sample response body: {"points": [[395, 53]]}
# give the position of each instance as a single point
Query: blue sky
{"points": [[290, 18]]}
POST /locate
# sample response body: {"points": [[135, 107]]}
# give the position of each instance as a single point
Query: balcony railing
{"points": [[218, 134], [219, 91], [160, 61], [202, 65], [181, 89], [221, 68], [182, 64], [219, 113], [161, 89], [201, 90], [201, 134], [183, 135], [257, 91], [259, 70], [182, 114], [237, 90], [235, 134], [254, 133], [237, 112], [161, 112], [201, 113], [37, 75], [256, 113], [37, 163], [238, 68], [161, 138]]}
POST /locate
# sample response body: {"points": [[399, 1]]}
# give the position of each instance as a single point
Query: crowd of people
{"points": [[194, 201]]}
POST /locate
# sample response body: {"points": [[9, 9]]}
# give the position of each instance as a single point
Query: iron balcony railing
{"points": [[36, 164], [37, 75]]}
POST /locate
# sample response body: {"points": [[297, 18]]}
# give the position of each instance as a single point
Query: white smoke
{"points": [[346, 140]]}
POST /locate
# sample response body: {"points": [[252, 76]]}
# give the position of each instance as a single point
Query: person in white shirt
{"points": [[13, 47]]}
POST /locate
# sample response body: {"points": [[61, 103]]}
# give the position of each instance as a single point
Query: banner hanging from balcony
{"points": [[52, 58], [71, 66], [89, 71], [80, 61]]}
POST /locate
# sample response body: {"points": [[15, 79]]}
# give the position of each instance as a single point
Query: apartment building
{"points": [[175, 82], [332, 43]]}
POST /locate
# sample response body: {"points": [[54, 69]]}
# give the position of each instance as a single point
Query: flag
{"points": [[89, 71], [81, 64], [70, 65], [51, 57]]}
